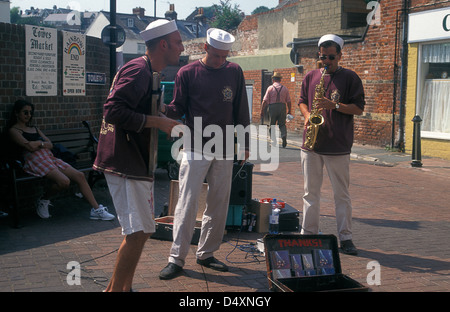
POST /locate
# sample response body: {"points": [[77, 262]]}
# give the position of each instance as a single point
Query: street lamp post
{"points": [[416, 148], [113, 36]]}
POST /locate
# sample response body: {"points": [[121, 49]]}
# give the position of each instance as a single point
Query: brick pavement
{"points": [[401, 219]]}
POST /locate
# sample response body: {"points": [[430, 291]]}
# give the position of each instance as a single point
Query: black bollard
{"points": [[416, 148]]}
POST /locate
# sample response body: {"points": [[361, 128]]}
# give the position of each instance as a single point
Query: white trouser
{"points": [[192, 175], [338, 172]]}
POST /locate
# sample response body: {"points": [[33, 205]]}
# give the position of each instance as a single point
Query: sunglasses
{"points": [[330, 57], [25, 112]]}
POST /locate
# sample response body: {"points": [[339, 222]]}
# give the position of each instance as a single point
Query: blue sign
{"points": [[96, 78]]}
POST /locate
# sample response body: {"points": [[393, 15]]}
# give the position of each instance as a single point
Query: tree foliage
{"points": [[17, 19], [14, 15], [260, 9], [226, 17]]}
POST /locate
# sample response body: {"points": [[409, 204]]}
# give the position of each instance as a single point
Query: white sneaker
{"points": [[101, 213], [42, 208]]}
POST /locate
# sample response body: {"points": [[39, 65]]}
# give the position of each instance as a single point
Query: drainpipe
{"points": [[113, 36], [404, 62]]}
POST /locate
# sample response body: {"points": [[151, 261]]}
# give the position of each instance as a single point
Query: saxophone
{"points": [[315, 118]]}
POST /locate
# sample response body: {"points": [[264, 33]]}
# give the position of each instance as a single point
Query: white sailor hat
{"points": [[332, 37], [219, 39], [158, 28]]}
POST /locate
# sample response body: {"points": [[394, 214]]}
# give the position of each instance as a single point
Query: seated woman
{"points": [[39, 161]]}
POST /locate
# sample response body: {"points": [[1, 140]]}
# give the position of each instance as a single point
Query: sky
{"points": [[183, 7]]}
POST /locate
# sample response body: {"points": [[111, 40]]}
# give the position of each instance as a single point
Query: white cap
{"points": [[334, 38], [158, 28], [219, 39]]}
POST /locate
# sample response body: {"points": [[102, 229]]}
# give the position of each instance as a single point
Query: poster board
{"points": [[74, 64], [41, 61]]}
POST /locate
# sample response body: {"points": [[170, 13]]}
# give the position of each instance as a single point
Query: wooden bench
{"points": [[80, 142]]}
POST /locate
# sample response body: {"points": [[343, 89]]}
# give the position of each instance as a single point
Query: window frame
{"points": [[420, 83]]}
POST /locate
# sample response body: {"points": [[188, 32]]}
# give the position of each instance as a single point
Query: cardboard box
{"points": [[164, 225], [289, 217], [262, 211], [175, 192], [298, 263]]}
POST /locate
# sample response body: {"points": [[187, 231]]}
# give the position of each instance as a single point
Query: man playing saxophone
{"points": [[338, 97]]}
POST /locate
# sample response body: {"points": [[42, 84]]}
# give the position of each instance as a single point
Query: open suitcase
{"points": [[164, 229], [306, 263], [164, 225]]}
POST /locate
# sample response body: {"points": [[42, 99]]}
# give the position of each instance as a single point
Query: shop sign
{"points": [[429, 25]]}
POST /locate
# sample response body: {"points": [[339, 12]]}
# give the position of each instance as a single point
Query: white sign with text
{"points": [[41, 60], [74, 64], [429, 25]]}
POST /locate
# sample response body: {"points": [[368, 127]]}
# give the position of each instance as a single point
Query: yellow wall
{"points": [[430, 147]]}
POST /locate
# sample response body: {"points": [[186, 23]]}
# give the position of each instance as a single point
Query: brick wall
{"points": [[255, 76], [247, 36], [52, 112], [319, 17], [373, 60]]}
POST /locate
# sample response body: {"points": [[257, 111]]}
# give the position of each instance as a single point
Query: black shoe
{"points": [[170, 271], [284, 141], [348, 248], [214, 264]]}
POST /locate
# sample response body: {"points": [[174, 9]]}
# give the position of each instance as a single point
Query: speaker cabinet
{"points": [[241, 185]]}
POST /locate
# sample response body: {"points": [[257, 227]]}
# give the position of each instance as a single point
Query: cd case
{"points": [[298, 263]]}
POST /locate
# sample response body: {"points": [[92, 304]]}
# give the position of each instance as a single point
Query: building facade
{"points": [[4, 11], [428, 77], [52, 112], [396, 75]]}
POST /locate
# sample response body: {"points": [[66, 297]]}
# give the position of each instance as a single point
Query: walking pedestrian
{"points": [[276, 100]]}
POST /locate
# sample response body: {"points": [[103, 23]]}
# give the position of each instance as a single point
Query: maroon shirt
{"points": [[335, 135], [218, 96], [124, 143]]}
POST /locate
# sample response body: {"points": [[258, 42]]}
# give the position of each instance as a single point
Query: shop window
{"points": [[192, 28], [141, 47], [434, 88], [354, 13]]}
